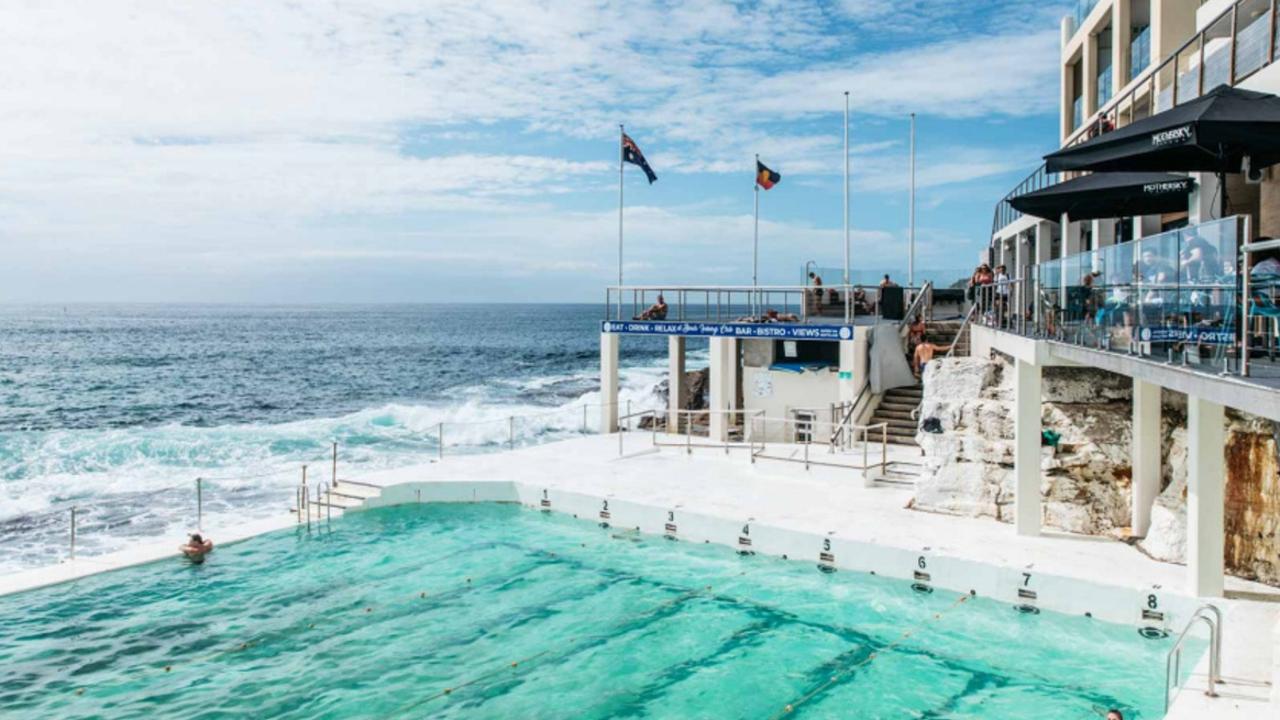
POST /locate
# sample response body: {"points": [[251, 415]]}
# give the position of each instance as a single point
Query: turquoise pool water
{"points": [[494, 611]]}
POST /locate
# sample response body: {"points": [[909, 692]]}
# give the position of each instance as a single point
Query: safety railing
{"points": [[510, 431], [89, 522], [964, 327], [798, 436], [1005, 213], [756, 304], [1005, 305], [1211, 616], [921, 305]]}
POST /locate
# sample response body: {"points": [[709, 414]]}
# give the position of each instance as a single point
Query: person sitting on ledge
{"points": [[196, 548], [862, 305], [772, 316], [656, 311]]}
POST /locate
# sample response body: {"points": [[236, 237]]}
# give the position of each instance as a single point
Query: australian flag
{"points": [[632, 154]]}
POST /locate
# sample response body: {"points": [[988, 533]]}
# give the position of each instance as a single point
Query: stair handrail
{"points": [[1173, 659], [323, 490], [964, 325], [926, 291]]}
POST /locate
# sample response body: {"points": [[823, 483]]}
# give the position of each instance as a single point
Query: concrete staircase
{"points": [[895, 409], [349, 494], [898, 405]]}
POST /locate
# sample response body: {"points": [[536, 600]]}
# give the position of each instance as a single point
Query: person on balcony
{"points": [[656, 311], [862, 305], [1002, 291]]}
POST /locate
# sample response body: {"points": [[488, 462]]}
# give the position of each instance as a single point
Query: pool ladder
{"points": [[1212, 617], [305, 503]]}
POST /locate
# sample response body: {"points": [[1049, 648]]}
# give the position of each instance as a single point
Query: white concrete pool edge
{"points": [[149, 551]]}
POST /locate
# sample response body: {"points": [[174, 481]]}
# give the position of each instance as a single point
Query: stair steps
{"points": [[899, 407]]}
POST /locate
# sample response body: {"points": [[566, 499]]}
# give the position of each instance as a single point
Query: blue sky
{"points": [[399, 150]]}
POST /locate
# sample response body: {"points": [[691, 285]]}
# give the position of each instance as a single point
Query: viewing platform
{"points": [[1176, 306], [839, 304]]}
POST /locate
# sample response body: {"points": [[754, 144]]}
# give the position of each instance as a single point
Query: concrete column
{"points": [[1269, 205], [1121, 41], [1072, 244], [1072, 237], [851, 379], [1145, 454], [1205, 199], [1104, 233], [1206, 480], [1146, 226], [722, 380], [677, 393], [1026, 452], [1089, 75], [1044, 241], [609, 382]]}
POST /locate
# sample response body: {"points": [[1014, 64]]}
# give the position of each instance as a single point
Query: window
{"points": [[806, 353]]}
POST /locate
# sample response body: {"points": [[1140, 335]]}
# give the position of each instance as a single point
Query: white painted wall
{"points": [[776, 392]]}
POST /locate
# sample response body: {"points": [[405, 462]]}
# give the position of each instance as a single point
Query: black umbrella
{"points": [[1213, 133], [1107, 195]]}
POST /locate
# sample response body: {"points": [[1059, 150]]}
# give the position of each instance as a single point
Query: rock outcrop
{"points": [[969, 465], [1086, 480]]}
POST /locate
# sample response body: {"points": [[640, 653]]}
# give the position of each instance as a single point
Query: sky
{"points": [[442, 150]]}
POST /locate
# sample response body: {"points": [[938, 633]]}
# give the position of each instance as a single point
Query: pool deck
{"points": [[790, 508]]}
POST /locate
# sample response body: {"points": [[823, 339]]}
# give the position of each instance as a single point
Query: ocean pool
{"points": [[498, 611]]}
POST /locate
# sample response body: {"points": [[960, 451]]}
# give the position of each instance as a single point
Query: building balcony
{"points": [[1231, 48], [1175, 298]]}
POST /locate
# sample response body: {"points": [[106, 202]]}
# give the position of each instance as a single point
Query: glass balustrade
{"points": [[1169, 297]]}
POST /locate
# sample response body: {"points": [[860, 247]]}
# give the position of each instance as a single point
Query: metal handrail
{"points": [[324, 490], [865, 429], [1173, 659], [964, 325], [926, 290], [727, 303]]}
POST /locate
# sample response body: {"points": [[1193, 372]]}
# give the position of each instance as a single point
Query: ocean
{"points": [[117, 409]]}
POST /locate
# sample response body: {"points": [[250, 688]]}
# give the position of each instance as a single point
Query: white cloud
{"points": [[268, 129]]}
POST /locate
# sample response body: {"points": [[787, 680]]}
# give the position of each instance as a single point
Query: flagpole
{"points": [[911, 232], [755, 243], [622, 153], [846, 191]]}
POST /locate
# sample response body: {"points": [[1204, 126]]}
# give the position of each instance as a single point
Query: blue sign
{"points": [[1193, 334], [768, 331]]}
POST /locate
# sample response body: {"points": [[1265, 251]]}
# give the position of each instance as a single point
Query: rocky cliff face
{"points": [[1086, 480]]}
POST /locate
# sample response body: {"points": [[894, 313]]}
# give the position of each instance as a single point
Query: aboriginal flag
{"points": [[765, 177], [632, 154]]}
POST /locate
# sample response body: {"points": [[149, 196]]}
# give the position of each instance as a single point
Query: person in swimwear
{"points": [[196, 548]]}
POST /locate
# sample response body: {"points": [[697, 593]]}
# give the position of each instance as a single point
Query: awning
{"points": [[1212, 133], [1108, 195]]}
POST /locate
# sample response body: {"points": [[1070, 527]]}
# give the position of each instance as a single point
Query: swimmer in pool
{"points": [[1114, 714], [196, 548]]}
